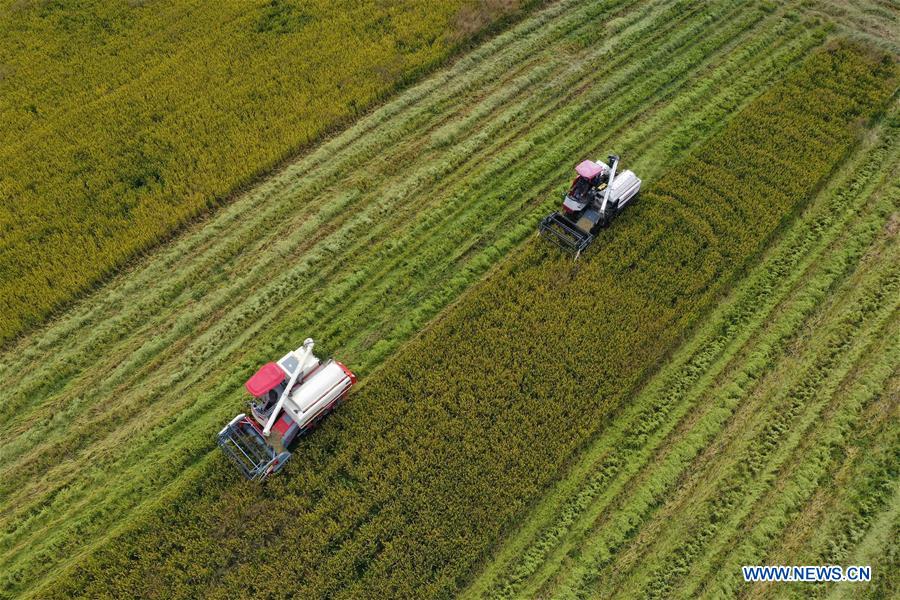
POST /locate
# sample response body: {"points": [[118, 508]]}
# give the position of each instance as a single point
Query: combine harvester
{"points": [[290, 398], [596, 197]]}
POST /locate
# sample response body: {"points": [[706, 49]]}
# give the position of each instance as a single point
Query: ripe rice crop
{"points": [[121, 121], [444, 447]]}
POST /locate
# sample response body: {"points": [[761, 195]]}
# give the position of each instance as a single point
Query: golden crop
{"points": [[121, 121]]}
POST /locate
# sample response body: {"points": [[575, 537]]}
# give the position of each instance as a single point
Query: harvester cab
{"points": [[595, 198], [290, 397]]}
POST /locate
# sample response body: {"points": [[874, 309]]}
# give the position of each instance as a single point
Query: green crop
{"points": [[446, 446]]}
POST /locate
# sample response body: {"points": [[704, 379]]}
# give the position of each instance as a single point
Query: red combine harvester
{"points": [[596, 197], [290, 398]]}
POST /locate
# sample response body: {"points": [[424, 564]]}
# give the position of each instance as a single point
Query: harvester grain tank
{"points": [[597, 195], [290, 397]]}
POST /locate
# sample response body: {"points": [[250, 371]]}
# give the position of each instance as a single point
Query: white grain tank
{"points": [[625, 187], [319, 392]]}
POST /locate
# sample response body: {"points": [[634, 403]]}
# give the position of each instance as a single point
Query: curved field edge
{"points": [[176, 107], [573, 530], [448, 443], [115, 403]]}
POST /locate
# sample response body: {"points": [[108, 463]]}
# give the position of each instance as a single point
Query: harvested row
{"points": [[873, 22], [679, 412], [358, 243], [448, 443], [850, 415], [763, 443], [852, 518]]}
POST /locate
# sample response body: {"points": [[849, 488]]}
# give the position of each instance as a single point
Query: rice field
{"points": [[108, 463], [443, 447], [122, 121]]}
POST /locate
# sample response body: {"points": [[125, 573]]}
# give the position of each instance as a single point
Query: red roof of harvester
{"points": [[588, 169], [268, 376]]}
